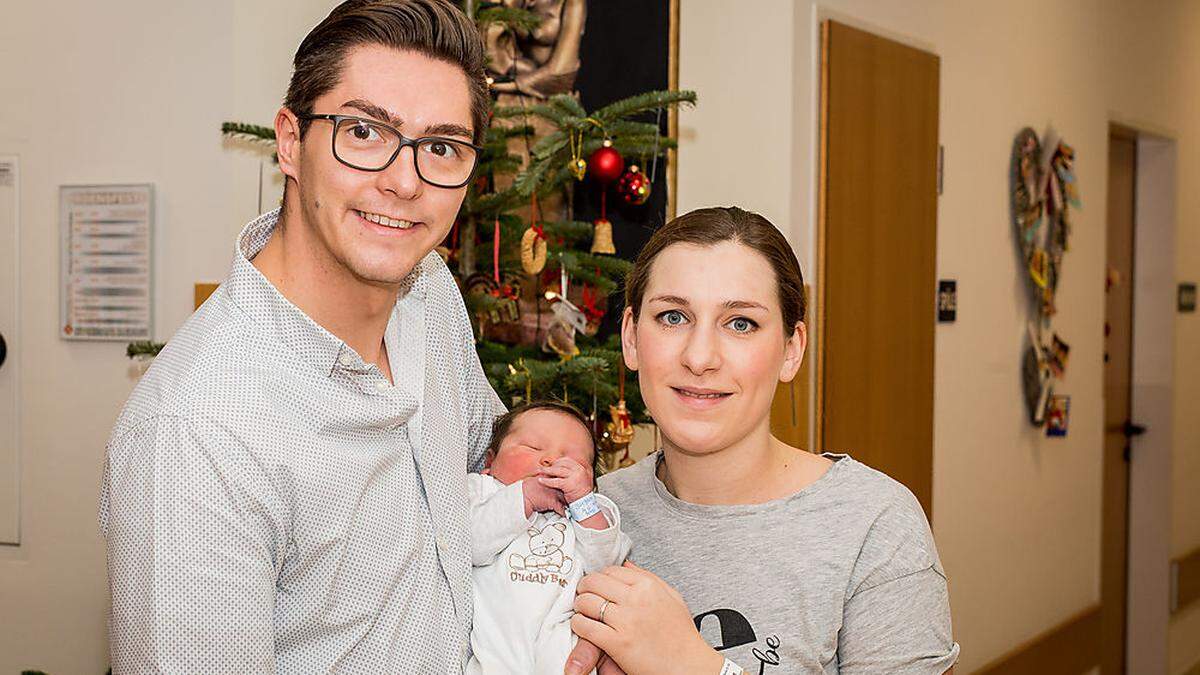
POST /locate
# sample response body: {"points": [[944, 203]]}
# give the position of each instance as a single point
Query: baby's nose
{"points": [[547, 460]]}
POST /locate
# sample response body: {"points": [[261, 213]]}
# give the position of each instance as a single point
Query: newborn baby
{"points": [[537, 526]]}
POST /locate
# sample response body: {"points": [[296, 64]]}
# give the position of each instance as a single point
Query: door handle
{"points": [[1130, 429], [3, 349]]}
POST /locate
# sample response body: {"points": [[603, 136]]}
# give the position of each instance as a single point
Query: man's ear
{"points": [[629, 339], [287, 143], [793, 352]]}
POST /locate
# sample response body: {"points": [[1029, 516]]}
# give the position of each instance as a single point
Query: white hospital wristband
{"points": [[731, 668], [583, 508]]}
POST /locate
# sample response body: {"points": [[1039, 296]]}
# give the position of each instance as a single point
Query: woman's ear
{"points": [[793, 352], [287, 143], [629, 339]]}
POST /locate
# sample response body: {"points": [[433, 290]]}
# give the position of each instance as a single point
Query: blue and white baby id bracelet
{"points": [[583, 508], [731, 668]]}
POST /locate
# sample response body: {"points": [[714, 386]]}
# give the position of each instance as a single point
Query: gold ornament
{"points": [[614, 441], [533, 251], [577, 165], [602, 241]]}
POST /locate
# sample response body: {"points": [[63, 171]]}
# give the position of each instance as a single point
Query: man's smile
{"points": [[386, 221]]}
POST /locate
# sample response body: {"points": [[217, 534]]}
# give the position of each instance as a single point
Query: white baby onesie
{"points": [[525, 574]]}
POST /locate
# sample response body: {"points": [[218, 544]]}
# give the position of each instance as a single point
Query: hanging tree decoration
{"points": [[606, 163], [578, 165], [533, 241], [618, 433], [634, 186], [604, 166]]}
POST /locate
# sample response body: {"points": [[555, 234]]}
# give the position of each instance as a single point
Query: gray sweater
{"points": [[840, 577]]}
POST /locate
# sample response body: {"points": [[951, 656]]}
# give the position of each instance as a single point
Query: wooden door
{"points": [[1118, 345], [877, 254]]}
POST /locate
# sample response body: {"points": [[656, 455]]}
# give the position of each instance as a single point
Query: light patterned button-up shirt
{"points": [[271, 503]]}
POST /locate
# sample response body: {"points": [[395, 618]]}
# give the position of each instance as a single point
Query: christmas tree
{"points": [[536, 280]]}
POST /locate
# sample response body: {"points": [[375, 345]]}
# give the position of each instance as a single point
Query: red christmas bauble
{"points": [[634, 186], [605, 164]]}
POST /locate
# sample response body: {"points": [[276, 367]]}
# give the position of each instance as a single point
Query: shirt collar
{"points": [[259, 299]]}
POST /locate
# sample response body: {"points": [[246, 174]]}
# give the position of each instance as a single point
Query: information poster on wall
{"points": [[106, 261]]}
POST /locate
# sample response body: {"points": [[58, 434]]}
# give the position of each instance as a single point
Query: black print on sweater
{"points": [[737, 631]]}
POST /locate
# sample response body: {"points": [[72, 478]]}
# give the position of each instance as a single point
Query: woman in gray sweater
{"points": [[750, 555]]}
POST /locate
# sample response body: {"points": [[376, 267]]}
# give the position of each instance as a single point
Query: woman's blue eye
{"points": [[742, 325], [671, 317]]}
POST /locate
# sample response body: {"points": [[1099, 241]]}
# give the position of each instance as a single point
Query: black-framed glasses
{"points": [[368, 145]]}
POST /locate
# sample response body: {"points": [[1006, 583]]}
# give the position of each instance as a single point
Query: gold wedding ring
{"points": [[602, 608]]}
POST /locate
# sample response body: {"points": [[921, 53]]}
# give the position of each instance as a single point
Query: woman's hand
{"points": [[647, 627], [572, 478]]}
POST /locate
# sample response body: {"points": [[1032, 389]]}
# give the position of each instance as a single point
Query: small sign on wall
{"points": [[1187, 298], [107, 271], [947, 300]]}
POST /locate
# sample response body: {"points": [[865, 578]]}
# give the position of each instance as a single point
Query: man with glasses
{"points": [[285, 489]]}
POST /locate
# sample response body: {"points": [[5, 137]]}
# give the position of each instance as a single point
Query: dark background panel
{"points": [[625, 51]]}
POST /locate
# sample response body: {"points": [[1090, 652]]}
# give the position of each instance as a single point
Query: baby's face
{"points": [[536, 439]]}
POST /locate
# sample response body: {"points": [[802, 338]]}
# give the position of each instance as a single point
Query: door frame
{"points": [[1148, 511]]}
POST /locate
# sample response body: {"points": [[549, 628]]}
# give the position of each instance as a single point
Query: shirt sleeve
{"points": [[194, 533], [598, 549], [897, 617], [497, 517]]}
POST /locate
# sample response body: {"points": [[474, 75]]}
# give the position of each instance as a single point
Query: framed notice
{"points": [[107, 276]]}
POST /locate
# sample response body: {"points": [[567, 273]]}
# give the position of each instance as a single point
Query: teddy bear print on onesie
{"points": [[525, 573]]}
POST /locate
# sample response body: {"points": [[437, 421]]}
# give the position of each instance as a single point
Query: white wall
{"points": [[125, 91], [1016, 515]]}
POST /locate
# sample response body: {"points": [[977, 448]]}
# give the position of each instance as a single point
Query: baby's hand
{"points": [[572, 478], [540, 497]]}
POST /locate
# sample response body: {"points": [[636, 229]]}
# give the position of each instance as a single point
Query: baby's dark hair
{"points": [[503, 425]]}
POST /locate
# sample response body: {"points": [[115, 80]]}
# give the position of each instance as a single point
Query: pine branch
{"points": [[144, 348], [570, 230], [527, 181], [611, 266], [510, 17], [550, 144], [650, 100], [253, 132], [568, 104], [620, 128]]}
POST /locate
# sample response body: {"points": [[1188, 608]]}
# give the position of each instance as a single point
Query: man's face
{"points": [[419, 96]]}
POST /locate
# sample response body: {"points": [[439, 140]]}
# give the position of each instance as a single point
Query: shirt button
{"points": [[346, 360], [443, 546], [383, 386]]}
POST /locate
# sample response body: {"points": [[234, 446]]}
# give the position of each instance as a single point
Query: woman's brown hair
{"points": [[711, 226]]}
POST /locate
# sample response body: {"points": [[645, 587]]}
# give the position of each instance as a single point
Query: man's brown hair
{"points": [[711, 226], [434, 28]]}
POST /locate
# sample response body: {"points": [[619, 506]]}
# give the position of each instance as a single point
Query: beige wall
{"points": [[135, 90], [1016, 515]]}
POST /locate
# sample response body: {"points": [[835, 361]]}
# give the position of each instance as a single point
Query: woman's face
{"points": [[709, 344]]}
